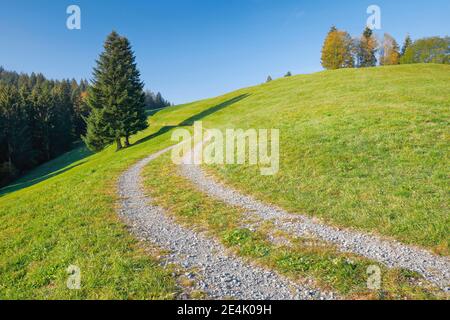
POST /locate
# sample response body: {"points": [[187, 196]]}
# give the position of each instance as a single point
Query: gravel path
{"points": [[217, 273], [391, 253]]}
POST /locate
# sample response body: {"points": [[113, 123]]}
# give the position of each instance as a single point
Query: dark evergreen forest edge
{"points": [[42, 118]]}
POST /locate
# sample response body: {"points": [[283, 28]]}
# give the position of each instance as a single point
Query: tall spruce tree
{"points": [[116, 97], [135, 118]]}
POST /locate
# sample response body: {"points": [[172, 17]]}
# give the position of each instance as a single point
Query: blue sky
{"points": [[193, 49]]}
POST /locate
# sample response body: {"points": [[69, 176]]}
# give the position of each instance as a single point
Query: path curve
{"points": [[391, 253], [221, 275]]}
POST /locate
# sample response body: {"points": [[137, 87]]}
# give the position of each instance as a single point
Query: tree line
{"points": [[155, 101], [39, 120], [340, 50]]}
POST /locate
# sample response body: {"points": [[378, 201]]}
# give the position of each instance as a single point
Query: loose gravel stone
{"points": [[222, 274], [389, 252]]}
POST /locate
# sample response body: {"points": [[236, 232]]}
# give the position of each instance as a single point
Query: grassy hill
{"points": [[359, 148], [366, 149]]}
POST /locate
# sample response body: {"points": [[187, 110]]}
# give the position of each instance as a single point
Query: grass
{"points": [[366, 149], [70, 219], [303, 260], [50, 169], [63, 213]]}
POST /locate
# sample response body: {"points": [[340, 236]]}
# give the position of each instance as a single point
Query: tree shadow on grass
{"points": [[48, 170], [191, 120]]}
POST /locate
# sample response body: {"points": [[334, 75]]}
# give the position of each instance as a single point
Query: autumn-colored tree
{"points": [[337, 50], [390, 54]]}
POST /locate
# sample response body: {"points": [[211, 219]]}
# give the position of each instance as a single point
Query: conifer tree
{"points": [[269, 79], [80, 111], [116, 97], [135, 118], [62, 133], [14, 130], [41, 102], [406, 44], [97, 131], [367, 49]]}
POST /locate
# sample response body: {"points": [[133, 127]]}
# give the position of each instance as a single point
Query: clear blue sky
{"points": [[192, 49]]}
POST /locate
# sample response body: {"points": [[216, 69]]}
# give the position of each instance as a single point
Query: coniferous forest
{"points": [[39, 120]]}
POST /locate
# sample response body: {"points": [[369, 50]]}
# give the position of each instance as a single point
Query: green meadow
{"points": [[360, 148], [367, 149]]}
